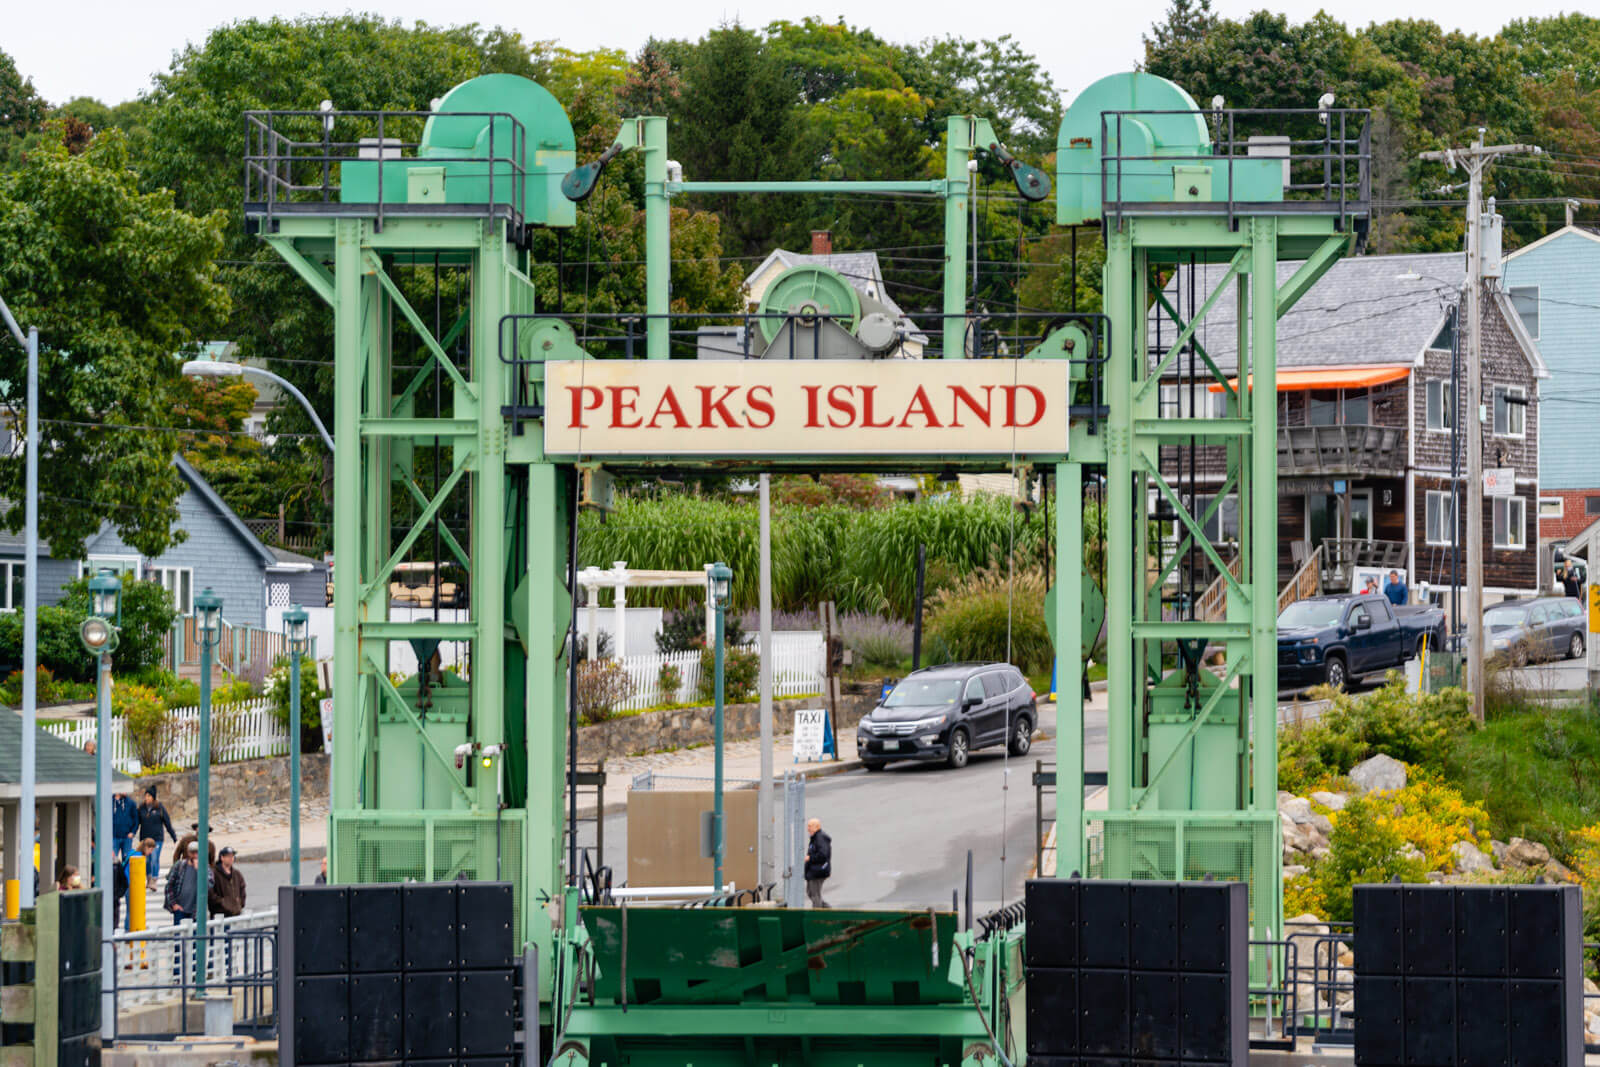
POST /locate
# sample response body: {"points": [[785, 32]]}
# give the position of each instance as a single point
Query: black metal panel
{"points": [[1430, 936], [1052, 937], [1154, 919], [1212, 922], [1539, 1023], [79, 1051], [321, 929], [488, 1013], [1483, 1022], [321, 1023], [483, 933], [1380, 1021], [1537, 922], [1430, 1022], [1103, 1023], [1481, 927], [377, 1030], [80, 1005], [375, 928], [1380, 930], [80, 932], [1153, 1011], [429, 921], [1052, 1011], [1204, 1030], [430, 1012], [1103, 920]]}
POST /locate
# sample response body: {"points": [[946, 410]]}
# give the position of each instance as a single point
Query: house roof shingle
{"points": [[56, 762], [1364, 310]]}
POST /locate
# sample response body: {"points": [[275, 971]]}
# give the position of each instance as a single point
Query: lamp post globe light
{"points": [[720, 580], [208, 619], [296, 634], [98, 632]]}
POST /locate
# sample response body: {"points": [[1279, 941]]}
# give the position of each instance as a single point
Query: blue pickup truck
{"points": [[1335, 639]]}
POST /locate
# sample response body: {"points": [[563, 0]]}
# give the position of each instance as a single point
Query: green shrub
{"points": [[1365, 847], [668, 681], [48, 689], [146, 616], [184, 693], [59, 647], [150, 726], [277, 691], [741, 675], [685, 631], [602, 684], [977, 617], [1413, 729]]}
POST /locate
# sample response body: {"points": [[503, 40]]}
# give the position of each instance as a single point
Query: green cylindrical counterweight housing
{"points": [[809, 290], [499, 140]]}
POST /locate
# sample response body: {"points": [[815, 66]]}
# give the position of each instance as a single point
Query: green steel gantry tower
{"points": [[441, 775]]}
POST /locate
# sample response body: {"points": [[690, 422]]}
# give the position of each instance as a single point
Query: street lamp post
{"points": [[208, 612], [99, 636], [721, 580], [294, 631]]}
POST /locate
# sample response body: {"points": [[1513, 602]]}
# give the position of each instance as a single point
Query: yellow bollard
{"points": [[13, 898], [136, 891]]}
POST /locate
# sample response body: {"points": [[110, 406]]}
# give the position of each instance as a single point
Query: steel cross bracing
{"points": [[1192, 752]]}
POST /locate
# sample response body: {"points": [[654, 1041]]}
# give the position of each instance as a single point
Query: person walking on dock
{"points": [[153, 823], [819, 862]]}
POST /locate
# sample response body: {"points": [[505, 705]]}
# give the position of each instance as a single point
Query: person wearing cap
{"points": [[226, 894]]}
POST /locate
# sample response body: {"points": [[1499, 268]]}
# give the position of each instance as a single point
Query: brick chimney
{"points": [[822, 242]]}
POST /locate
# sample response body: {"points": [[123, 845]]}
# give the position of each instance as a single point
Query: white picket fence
{"points": [[797, 668], [255, 731]]}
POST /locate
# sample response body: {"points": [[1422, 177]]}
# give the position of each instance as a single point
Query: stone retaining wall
{"points": [[236, 786], [657, 731]]}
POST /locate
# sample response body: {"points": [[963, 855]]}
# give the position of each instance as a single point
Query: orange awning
{"points": [[1290, 381]]}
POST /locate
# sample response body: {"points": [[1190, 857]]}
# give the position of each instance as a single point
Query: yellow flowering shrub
{"points": [[1433, 817]]}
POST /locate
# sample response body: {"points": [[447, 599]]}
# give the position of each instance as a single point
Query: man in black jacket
{"points": [[819, 862], [153, 822]]}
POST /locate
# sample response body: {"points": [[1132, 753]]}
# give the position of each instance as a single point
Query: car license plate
{"points": [[890, 746]]}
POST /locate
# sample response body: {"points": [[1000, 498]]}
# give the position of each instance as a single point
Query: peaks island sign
{"points": [[806, 407]]}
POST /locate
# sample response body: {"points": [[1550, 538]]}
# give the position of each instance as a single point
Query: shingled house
{"points": [[1367, 411]]}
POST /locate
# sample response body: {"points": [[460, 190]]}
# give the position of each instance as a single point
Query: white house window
{"points": [[178, 581], [1510, 522], [1224, 525], [1441, 405], [1192, 401], [118, 565], [1440, 518], [1552, 507], [1525, 301], [12, 574], [1510, 410]]}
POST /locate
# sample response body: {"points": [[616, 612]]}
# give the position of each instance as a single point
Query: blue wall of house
{"points": [[215, 552], [1566, 269], [309, 589]]}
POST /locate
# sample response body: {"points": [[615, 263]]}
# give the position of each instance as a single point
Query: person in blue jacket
{"points": [[124, 824], [1395, 589]]}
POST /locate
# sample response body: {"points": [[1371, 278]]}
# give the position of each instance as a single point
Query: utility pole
{"points": [[1475, 159]]}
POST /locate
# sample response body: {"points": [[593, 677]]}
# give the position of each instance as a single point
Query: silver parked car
{"points": [[1542, 629]]}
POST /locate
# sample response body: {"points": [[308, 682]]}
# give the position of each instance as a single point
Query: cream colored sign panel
{"points": [[806, 407]]}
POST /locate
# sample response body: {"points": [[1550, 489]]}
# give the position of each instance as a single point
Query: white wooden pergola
{"points": [[620, 579]]}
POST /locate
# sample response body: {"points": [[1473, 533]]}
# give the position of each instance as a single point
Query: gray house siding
{"points": [[54, 574], [309, 589], [213, 549]]}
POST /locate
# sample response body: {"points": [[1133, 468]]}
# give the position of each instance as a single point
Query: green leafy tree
{"points": [[146, 616], [21, 107], [117, 281]]}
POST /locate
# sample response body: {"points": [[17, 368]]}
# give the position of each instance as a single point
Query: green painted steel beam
{"points": [[1171, 631], [419, 428], [310, 270], [933, 186], [405, 631], [399, 704], [1209, 430], [794, 1019], [1313, 268]]}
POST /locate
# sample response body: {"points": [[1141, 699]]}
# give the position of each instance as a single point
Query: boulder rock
{"points": [[1498, 850], [1296, 808], [1412, 852], [1321, 824], [1331, 801], [1320, 854], [1295, 836], [1380, 773], [1470, 858], [1556, 871], [1526, 855], [1294, 870]]}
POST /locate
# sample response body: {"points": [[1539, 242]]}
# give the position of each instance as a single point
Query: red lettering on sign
{"points": [[623, 399], [960, 396], [669, 405], [844, 405], [921, 405], [709, 407], [811, 392], [763, 406], [1011, 405], [579, 407], [867, 393]]}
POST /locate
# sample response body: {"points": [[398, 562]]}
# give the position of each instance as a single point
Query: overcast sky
{"points": [[110, 48]]}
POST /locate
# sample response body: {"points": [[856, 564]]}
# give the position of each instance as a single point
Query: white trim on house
{"points": [[1494, 523], [1547, 238]]}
